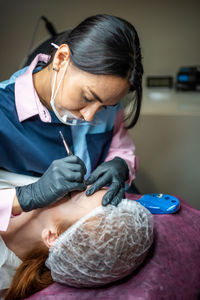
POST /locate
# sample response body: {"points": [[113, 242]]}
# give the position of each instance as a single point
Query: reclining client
{"points": [[77, 242]]}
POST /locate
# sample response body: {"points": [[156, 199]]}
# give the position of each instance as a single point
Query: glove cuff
{"points": [[125, 165], [24, 196]]}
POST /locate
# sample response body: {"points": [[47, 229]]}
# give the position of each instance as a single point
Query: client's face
{"points": [[47, 223], [73, 208]]}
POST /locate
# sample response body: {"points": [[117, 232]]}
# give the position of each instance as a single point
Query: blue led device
{"points": [[160, 203]]}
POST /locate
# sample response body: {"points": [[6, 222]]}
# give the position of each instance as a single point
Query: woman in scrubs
{"points": [[76, 90]]}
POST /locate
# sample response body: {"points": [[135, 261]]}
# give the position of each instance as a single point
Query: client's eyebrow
{"points": [[95, 95]]}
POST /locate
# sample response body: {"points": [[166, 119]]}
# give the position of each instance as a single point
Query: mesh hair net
{"points": [[103, 246]]}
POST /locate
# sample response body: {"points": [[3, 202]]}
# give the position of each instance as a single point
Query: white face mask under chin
{"points": [[64, 115]]}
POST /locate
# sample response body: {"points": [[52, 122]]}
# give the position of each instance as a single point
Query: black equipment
{"points": [[188, 79], [159, 81]]}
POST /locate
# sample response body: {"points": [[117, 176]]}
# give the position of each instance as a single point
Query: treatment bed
{"points": [[171, 270]]}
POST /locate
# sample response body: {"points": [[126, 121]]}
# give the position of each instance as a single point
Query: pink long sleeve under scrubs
{"points": [[6, 202]]}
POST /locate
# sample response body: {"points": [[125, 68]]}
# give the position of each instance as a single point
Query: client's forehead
{"points": [[75, 207], [80, 199], [78, 205]]}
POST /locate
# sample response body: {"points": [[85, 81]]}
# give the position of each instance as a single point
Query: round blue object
{"points": [[160, 203]]}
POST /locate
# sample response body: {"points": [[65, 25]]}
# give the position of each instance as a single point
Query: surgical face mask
{"points": [[64, 115]]}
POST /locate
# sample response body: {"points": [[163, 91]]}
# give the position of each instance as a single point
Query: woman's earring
{"points": [[55, 69]]}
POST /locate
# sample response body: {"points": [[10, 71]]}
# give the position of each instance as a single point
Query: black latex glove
{"points": [[113, 173], [63, 176]]}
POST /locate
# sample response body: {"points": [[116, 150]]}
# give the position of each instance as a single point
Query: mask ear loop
{"points": [[53, 96], [53, 88]]}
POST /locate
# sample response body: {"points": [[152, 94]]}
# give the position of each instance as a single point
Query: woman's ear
{"points": [[49, 236], [61, 56]]}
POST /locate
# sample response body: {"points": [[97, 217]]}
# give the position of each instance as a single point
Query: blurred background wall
{"points": [[168, 147], [169, 30]]}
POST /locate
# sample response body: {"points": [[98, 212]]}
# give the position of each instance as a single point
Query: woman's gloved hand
{"points": [[63, 176], [113, 173]]}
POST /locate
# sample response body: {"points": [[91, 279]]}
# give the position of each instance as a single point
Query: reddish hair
{"points": [[32, 275]]}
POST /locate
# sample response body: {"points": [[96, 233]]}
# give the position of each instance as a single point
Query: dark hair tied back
{"points": [[108, 45], [135, 81]]}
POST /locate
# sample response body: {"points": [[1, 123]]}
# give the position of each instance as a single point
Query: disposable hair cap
{"points": [[103, 246]]}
